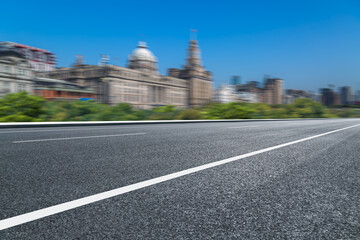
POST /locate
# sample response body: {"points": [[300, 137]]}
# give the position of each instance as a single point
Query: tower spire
{"points": [[193, 58], [193, 34]]}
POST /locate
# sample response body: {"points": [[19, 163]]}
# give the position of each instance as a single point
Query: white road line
{"points": [[70, 138], [245, 126], [41, 213], [68, 129]]}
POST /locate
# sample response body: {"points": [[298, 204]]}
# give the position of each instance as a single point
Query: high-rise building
{"points": [[329, 97], [346, 95], [273, 91]]}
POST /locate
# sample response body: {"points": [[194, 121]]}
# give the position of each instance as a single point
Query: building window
{"points": [[20, 72], [21, 87], [7, 69], [5, 87]]}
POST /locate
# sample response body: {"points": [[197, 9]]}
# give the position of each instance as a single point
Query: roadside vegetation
{"points": [[22, 107]]}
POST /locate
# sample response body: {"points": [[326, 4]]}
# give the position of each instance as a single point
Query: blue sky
{"points": [[309, 44]]}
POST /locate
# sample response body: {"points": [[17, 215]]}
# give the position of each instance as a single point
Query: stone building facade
{"points": [[16, 74], [200, 89], [114, 84], [140, 83]]}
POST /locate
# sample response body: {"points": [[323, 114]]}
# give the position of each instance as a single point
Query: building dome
{"points": [[142, 53], [142, 59]]}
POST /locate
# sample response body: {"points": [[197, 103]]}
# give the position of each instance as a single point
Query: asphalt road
{"points": [[306, 190]]}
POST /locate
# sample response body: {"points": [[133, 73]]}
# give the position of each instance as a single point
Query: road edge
{"points": [[104, 123]]}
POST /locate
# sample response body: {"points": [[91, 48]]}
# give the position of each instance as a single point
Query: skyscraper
{"points": [[346, 95], [329, 97], [273, 91]]}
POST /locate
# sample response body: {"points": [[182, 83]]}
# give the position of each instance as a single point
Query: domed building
{"points": [[140, 83], [143, 59]]}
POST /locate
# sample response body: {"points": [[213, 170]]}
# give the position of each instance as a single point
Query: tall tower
{"points": [[193, 58], [200, 80]]}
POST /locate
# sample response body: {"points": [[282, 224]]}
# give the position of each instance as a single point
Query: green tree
{"points": [[121, 112], [306, 108], [168, 112], [73, 111], [189, 114], [21, 107], [234, 110], [261, 110]]}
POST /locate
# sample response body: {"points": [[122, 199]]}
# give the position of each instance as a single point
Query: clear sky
{"points": [[308, 43]]}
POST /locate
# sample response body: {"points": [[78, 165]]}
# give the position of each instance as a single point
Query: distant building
{"points": [[140, 83], [199, 80], [249, 97], [16, 74], [293, 94], [39, 59], [224, 94], [315, 96], [357, 97], [251, 86], [273, 91], [54, 89], [235, 80], [346, 95], [249, 92], [329, 97], [288, 99]]}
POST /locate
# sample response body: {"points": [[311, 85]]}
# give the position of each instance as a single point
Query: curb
{"points": [[104, 123]]}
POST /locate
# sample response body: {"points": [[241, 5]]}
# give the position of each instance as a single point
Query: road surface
{"points": [[297, 179]]}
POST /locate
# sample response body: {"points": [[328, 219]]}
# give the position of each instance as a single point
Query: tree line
{"points": [[22, 107]]}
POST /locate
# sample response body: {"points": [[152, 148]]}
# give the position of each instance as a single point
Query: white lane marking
{"points": [[41, 213], [245, 126], [70, 138], [68, 129]]}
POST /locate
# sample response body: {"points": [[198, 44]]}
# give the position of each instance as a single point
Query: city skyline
{"points": [[309, 45]]}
